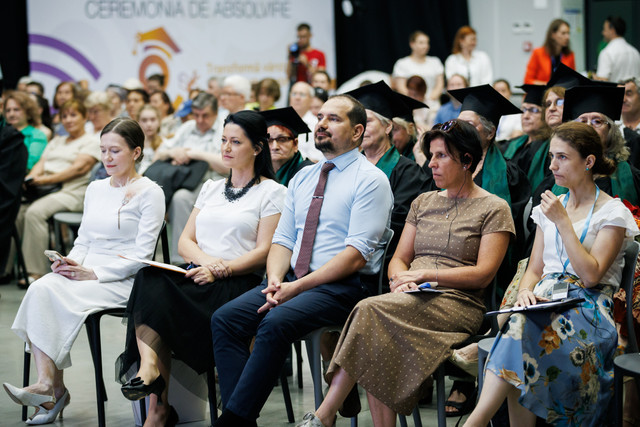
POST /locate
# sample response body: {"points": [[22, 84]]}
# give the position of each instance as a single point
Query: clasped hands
{"points": [[72, 270], [180, 156], [278, 292], [216, 268], [405, 280]]}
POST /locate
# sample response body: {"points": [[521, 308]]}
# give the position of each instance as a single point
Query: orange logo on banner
{"points": [[149, 41]]}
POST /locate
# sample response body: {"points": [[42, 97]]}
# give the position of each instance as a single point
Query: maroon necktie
{"points": [[311, 223]]}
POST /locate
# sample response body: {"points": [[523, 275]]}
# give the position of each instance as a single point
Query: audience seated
{"points": [[195, 140], [44, 113], [235, 93], [450, 110], [320, 96], [509, 126], [313, 265], [155, 83], [122, 216], [149, 121], [404, 137], [430, 68], [13, 167], [118, 96], [169, 123], [21, 112], [99, 110], [136, 98], [530, 151], [630, 121], [226, 242], [558, 365], [321, 79], [472, 64], [56, 183], [300, 99], [267, 93], [439, 224], [65, 91], [284, 126], [545, 59]]}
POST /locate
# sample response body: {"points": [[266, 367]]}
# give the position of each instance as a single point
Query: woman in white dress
{"points": [[472, 64], [430, 68], [226, 242], [122, 215]]}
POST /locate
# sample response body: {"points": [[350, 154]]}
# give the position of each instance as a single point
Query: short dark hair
{"points": [[304, 26], [74, 104], [271, 87], [586, 141], [461, 140], [129, 130], [413, 36], [254, 127], [418, 84], [158, 78], [142, 92], [357, 115], [39, 85], [618, 24]]}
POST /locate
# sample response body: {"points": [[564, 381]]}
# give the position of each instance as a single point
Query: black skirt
{"points": [[179, 311]]}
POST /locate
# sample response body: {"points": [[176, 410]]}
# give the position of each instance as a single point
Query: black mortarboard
{"points": [[286, 117], [605, 100], [533, 93], [380, 98], [321, 94], [567, 78], [485, 101]]}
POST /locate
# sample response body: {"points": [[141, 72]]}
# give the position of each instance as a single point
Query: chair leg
{"points": [[417, 421], [22, 268], [213, 399], [93, 332], [313, 353], [403, 420], [287, 395], [618, 395], [439, 377], [25, 379], [298, 348]]}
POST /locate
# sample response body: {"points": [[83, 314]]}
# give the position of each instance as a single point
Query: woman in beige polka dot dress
{"points": [[455, 240]]}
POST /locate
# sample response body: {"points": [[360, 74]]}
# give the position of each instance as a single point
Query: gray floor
{"points": [[80, 380]]}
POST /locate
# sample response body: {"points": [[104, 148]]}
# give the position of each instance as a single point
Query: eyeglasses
{"points": [[532, 110], [596, 122], [280, 139], [558, 103], [229, 94], [446, 126]]}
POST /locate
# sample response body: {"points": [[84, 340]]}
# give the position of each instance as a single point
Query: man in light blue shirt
{"points": [[284, 308]]}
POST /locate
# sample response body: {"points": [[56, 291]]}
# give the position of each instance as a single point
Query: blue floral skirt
{"points": [[562, 362]]}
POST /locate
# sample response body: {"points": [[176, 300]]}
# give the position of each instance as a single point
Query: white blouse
{"points": [[230, 229], [613, 213]]}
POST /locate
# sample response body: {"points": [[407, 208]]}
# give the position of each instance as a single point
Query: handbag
{"points": [[32, 193]]}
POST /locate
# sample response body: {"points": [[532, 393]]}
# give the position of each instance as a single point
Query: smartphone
{"points": [[54, 256]]}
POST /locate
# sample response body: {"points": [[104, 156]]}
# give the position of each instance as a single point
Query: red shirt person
{"points": [[303, 59]]}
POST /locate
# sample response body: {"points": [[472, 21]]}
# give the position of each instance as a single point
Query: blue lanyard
{"points": [[559, 248]]}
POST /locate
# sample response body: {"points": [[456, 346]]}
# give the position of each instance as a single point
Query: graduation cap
{"points": [[485, 101], [533, 93], [380, 98], [286, 117], [567, 78], [605, 100]]}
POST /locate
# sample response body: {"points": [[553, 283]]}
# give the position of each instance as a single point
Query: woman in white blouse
{"points": [[474, 65], [122, 215], [225, 241], [430, 68]]}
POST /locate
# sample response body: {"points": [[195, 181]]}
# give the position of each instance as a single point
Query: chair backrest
{"points": [[163, 239], [627, 282], [388, 234]]}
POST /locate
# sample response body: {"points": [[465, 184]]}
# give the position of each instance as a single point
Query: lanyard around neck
{"points": [[559, 248]]}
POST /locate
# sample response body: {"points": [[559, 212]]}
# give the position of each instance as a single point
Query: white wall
{"points": [[505, 27]]}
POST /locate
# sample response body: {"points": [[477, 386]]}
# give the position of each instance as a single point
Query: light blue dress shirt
{"points": [[355, 211]]}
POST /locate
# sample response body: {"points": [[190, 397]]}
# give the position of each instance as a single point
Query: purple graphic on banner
{"points": [[39, 39]]}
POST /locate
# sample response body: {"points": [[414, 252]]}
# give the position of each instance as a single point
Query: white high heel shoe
{"points": [[24, 398], [47, 416]]}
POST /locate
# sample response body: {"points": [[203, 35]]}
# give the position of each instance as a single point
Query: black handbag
{"points": [[32, 193]]}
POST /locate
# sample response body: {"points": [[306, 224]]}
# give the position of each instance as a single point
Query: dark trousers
{"points": [[246, 379]]}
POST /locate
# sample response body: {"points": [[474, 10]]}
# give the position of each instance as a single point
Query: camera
{"points": [[294, 50]]}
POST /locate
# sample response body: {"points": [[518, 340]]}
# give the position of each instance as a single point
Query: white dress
{"points": [[429, 70], [54, 308]]}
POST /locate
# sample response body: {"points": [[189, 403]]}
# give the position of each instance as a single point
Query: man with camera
{"points": [[303, 59]]}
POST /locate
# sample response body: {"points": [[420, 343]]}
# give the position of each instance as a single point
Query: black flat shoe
{"points": [[136, 389], [172, 419]]}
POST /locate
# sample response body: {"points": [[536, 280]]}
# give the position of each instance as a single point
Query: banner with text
{"points": [[110, 41]]}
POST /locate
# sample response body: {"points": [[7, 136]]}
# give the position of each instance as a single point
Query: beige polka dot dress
{"points": [[392, 343]]}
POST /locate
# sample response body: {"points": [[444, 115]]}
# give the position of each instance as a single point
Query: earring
{"points": [[587, 168]]}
